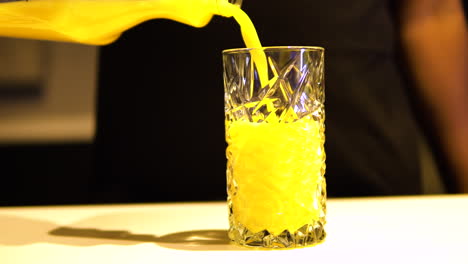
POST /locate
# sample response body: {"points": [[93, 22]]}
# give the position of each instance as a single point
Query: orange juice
{"points": [[96, 22], [100, 22], [277, 169]]}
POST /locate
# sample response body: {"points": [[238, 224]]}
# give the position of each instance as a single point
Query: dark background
{"points": [[160, 124]]}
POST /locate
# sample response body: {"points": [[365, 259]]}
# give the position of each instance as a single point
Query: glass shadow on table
{"points": [[17, 231], [201, 240]]}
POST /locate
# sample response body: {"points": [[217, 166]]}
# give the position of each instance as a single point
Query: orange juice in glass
{"points": [[275, 135]]}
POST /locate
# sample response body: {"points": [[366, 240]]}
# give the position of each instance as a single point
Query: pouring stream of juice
{"points": [[100, 22], [251, 40]]}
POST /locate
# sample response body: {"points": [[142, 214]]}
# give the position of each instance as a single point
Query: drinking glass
{"points": [[274, 116]]}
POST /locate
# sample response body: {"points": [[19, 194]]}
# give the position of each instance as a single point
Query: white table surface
{"points": [[413, 229]]}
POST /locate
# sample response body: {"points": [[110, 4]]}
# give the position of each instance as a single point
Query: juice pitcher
{"points": [[99, 22]]}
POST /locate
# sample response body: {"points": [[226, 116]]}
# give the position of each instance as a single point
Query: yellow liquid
{"points": [[251, 40], [95, 22], [277, 168], [100, 22]]}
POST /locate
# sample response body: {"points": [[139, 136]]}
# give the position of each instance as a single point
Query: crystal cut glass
{"points": [[274, 116]]}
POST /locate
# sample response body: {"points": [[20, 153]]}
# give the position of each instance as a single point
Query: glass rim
{"points": [[274, 48]]}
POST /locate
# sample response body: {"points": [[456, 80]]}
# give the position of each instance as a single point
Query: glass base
{"points": [[307, 235]]}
